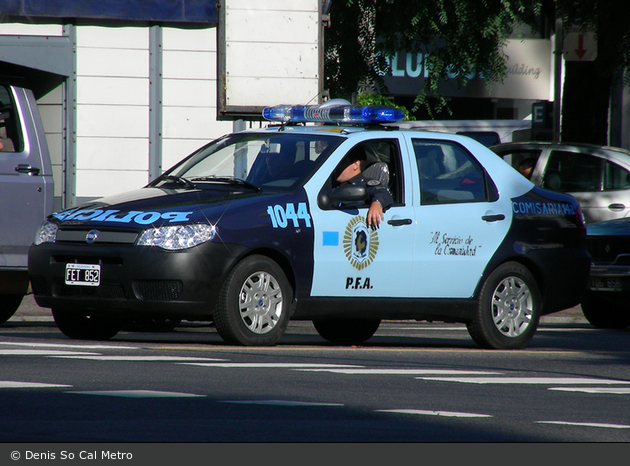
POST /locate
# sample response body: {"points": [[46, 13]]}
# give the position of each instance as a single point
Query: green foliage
{"points": [[378, 99], [457, 37]]}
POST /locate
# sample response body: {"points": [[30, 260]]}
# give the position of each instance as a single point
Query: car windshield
{"points": [[261, 161]]}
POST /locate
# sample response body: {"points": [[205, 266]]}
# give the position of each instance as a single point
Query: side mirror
{"points": [[342, 196]]}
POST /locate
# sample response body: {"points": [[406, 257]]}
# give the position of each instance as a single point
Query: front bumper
{"points": [[135, 281], [613, 281]]}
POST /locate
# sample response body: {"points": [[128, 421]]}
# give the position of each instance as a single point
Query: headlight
{"points": [[177, 237], [47, 233]]}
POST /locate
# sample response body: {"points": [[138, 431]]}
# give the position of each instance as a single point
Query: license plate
{"points": [[83, 274], [605, 284]]}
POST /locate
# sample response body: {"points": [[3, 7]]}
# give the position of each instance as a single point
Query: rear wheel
{"points": [[602, 313], [346, 331], [85, 327], [9, 304], [255, 304], [509, 309]]}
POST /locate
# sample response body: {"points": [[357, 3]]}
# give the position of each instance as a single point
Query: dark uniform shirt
{"points": [[376, 191]]}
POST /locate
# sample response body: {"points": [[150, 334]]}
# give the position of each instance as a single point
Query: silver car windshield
{"points": [[279, 161]]}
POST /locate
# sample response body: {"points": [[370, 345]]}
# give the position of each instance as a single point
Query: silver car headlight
{"points": [[177, 237], [47, 233]]}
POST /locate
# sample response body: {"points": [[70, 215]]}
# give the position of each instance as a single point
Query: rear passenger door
{"points": [[460, 219]]}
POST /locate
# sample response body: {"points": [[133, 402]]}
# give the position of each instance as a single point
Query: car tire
{"points": [[509, 309], [255, 304], [602, 313], [346, 331], [85, 327], [9, 304]]}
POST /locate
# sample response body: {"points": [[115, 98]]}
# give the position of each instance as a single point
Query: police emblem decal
{"points": [[360, 243]]}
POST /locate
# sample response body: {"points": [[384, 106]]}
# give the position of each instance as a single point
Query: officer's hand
{"points": [[375, 214]]}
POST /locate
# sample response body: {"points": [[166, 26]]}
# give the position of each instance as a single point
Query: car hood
{"points": [[616, 227], [155, 207]]}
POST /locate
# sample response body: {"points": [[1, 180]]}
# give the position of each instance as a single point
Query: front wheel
{"points": [[255, 304], [602, 313], [346, 331], [509, 309], [85, 327]]}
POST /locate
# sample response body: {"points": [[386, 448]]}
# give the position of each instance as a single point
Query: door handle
{"points": [[616, 207], [25, 168], [399, 221], [493, 218]]}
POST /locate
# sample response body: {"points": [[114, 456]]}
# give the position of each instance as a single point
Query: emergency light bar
{"points": [[349, 114]]}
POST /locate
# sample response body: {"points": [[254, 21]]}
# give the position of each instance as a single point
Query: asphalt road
{"points": [[411, 383]]}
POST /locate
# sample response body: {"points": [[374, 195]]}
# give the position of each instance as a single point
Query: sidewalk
{"points": [[29, 311]]}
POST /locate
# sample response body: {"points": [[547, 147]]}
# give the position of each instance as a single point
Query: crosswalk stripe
{"points": [[37, 352], [59, 345], [363, 371], [527, 380], [12, 384], [585, 424], [432, 413], [138, 358], [265, 365], [138, 394], [597, 390], [279, 403]]}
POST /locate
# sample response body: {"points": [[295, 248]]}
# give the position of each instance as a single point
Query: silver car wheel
{"points": [[512, 306], [260, 302]]}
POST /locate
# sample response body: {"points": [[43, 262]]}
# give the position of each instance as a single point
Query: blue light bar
{"points": [[349, 114]]}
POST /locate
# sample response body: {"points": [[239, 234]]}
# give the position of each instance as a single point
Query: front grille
{"points": [[158, 290], [606, 249], [69, 235]]}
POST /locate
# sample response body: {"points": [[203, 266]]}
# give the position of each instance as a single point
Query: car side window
{"points": [[573, 172], [448, 173], [10, 137], [615, 177]]}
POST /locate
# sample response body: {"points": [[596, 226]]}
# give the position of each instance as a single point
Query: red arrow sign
{"points": [[580, 51]]}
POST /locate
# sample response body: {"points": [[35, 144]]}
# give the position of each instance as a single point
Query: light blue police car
{"points": [[251, 231]]}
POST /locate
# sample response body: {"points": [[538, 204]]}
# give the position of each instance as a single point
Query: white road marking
{"points": [[432, 413], [266, 365], [58, 345], [597, 390], [279, 403], [42, 352], [138, 394], [527, 380], [138, 358], [11, 384], [585, 424], [401, 371]]}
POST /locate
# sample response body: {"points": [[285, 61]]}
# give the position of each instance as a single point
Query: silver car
{"points": [[597, 176]]}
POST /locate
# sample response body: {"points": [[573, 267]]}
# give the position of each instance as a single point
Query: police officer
{"points": [[379, 198]]}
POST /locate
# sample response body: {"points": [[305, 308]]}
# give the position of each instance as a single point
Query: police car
{"points": [[251, 231]]}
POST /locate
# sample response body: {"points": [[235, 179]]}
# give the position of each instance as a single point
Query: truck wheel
{"points": [[9, 303], [255, 304], [602, 313], [85, 327], [509, 309], [346, 331]]}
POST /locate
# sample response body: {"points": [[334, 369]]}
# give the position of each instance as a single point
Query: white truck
{"points": [[26, 190]]}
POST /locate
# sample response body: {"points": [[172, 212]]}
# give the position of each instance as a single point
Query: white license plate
{"points": [[605, 284], [83, 274]]}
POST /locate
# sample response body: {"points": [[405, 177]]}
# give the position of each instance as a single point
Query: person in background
{"points": [[526, 166]]}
